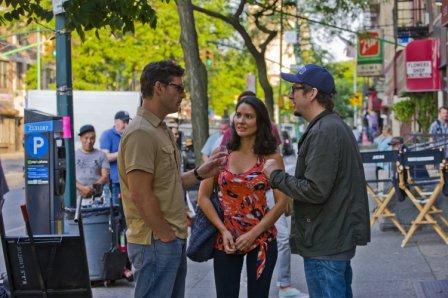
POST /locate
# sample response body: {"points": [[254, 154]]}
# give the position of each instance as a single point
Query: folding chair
{"points": [[382, 199], [413, 184]]}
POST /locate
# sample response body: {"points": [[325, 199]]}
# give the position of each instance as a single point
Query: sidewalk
{"points": [[380, 269]]}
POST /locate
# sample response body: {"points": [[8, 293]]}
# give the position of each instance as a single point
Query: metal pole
{"points": [[38, 65], [355, 77], [64, 97]]}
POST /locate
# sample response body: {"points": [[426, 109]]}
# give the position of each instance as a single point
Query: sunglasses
{"points": [[295, 88], [179, 88]]}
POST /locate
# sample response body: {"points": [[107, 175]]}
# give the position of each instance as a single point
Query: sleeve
{"points": [[104, 161], [206, 149], [433, 128], [321, 167], [105, 141], [139, 152]]}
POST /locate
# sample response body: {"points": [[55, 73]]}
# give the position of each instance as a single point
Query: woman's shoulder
{"points": [[275, 155]]}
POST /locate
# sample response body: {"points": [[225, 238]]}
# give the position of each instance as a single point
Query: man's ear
{"points": [[158, 87]]}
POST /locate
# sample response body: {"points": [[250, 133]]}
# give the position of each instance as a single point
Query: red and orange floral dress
{"points": [[244, 204]]}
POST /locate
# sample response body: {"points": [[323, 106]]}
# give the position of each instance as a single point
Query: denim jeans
{"points": [[328, 279], [115, 189], [283, 266], [159, 268]]}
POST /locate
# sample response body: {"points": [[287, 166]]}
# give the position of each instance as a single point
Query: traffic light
{"points": [[356, 99], [48, 47], [208, 58]]}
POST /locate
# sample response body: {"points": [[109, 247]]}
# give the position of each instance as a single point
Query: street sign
{"points": [[370, 54], [58, 7], [369, 70], [36, 145]]}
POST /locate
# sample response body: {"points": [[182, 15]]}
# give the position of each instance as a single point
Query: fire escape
{"points": [[411, 20]]}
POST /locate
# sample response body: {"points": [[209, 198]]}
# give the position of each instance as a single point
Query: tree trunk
{"points": [[264, 82], [196, 76]]}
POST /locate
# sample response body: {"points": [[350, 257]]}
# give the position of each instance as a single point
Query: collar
{"points": [[311, 124], [153, 119]]}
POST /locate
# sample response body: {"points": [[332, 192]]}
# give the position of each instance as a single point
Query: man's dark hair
{"points": [[443, 108], [245, 94], [264, 140], [324, 99], [160, 71]]}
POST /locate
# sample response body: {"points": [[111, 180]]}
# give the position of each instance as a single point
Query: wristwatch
{"points": [[196, 174]]}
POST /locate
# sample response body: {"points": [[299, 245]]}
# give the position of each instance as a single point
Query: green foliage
{"points": [[404, 110], [422, 105], [425, 107], [85, 15], [114, 62]]}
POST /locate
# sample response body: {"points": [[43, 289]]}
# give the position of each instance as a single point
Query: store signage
{"points": [[370, 54], [418, 67]]}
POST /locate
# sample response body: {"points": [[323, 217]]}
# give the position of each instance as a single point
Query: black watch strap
{"points": [[196, 174]]}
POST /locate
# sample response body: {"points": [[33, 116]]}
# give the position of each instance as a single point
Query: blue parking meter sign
{"points": [[36, 145]]}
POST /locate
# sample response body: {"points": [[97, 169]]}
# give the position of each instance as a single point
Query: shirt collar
{"points": [[153, 119]]}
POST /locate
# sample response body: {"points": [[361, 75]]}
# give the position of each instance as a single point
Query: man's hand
{"points": [[270, 166], [86, 191], [213, 165], [167, 236]]}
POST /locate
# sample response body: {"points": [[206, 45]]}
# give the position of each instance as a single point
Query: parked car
{"points": [[288, 147]]}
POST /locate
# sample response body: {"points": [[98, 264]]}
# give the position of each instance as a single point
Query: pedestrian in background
{"points": [[152, 186], [215, 139], [247, 230], [109, 143], [92, 166], [331, 212], [439, 129]]}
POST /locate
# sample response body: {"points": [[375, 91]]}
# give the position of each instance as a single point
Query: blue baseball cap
{"points": [[313, 75]]}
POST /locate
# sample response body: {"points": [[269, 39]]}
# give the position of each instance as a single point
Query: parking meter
{"points": [[45, 171]]}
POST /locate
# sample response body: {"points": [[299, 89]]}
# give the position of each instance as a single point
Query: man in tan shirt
{"points": [[152, 185]]}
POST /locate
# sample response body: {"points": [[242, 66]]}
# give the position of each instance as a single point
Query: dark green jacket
{"points": [[331, 212]]}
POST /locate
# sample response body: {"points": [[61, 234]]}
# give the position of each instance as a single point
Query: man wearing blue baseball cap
{"points": [[331, 212]]}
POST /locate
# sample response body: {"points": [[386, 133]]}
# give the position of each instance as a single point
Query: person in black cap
{"points": [[331, 212], [109, 143], [92, 167]]}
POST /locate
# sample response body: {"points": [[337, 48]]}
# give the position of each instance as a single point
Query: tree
{"points": [[85, 15], [258, 23], [197, 75]]}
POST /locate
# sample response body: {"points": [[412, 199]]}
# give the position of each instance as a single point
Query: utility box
{"points": [[45, 171]]}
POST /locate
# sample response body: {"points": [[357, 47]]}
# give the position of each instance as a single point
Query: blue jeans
{"points": [[115, 189], [328, 279], [159, 268], [283, 266], [284, 252]]}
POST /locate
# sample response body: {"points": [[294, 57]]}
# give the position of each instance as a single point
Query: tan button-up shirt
{"points": [[148, 145]]}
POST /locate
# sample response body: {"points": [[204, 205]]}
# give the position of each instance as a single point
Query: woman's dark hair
{"points": [[324, 99], [264, 140]]}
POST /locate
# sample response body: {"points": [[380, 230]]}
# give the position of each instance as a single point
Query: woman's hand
{"points": [[229, 245], [245, 241]]}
